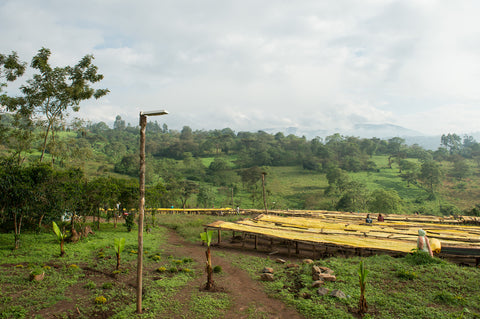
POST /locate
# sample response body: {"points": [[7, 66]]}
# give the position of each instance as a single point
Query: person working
{"points": [[380, 218], [368, 220], [423, 244]]}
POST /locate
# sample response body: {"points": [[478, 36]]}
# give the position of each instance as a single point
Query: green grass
{"points": [[440, 290], [415, 286]]}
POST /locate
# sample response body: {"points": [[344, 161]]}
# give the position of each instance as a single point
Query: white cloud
{"points": [[253, 65]]}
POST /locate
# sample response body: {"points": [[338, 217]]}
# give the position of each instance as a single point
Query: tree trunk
{"points": [[362, 305], [40, 221], [209, 269], [62, 251], [45, 142], [118, 261], [17, 224]]}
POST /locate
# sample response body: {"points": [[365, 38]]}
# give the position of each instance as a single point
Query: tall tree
{"points": [[10, 68], [53, 90], [430, 174], [452, 142]]}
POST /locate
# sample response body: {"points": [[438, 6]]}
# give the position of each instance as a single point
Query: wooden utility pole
{"points": [[141, 205], [264, 197], [141, 208]]}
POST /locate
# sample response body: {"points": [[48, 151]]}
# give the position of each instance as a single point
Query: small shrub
{"points": [[448, 298], [100, 300], [133, 251], [107, 285], [116, 272], [418, 257], [46, 267], [178, 262], [405, 274], [161, 269], [187, 260], [217, 269], [173, 270], [19, 266], [90, 285], [156, 257], [73, 268], [187, 270], [129, 222]]}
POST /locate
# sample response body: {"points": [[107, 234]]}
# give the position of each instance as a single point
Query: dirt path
{"points": [[247, 295]]}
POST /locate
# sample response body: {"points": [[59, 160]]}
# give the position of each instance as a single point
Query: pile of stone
{"points": [[320, 275]]}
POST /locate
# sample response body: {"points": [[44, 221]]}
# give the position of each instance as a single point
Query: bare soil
{"points": [[245, 292]]}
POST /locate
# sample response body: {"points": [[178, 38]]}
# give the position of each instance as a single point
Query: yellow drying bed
{"points": [[391, 236], [315, 237], [452, 234]]}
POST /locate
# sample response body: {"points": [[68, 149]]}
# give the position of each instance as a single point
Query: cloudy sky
{"points": [[250, 65]]}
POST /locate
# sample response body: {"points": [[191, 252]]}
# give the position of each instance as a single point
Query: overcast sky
{"points": [[251, 65]]}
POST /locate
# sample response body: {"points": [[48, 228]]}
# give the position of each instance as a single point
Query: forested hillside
{"points": [[224, 168]]}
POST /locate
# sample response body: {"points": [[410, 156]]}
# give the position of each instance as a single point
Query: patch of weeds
{"points": [[107, 285], [447, 298], [207, 305], [187, 260], [156, 257], [161, 269], [418, 257], [178, 261], [173, 269], [14, 312], [217, 269], [406, 274], [90, 285], [254, 313]]}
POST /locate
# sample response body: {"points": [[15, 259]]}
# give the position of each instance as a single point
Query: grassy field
{"points": [[409, 287]]}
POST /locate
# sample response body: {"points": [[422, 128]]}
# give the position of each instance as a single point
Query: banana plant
{"points": [[207, 238], [362, 277], [61, 235], [119, 244]]}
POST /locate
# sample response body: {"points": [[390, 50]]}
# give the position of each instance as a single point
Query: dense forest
{"points": [[51, 166]]}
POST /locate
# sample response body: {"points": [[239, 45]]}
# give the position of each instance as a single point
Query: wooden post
{"points": [[141, 207], [297, 251], [264, 197], [288, 247], [313, 251], [256, 241], [243, 240], [219, 236]]}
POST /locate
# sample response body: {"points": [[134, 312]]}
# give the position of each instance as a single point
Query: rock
{"points": [[280, 261], [307, 261], [338, 294], [322, 291], [306, 295], [317, 283], [267, 277], [267, 270], [326, 270], [38, 277], [316, 270], [324, 277], [292, 266]]}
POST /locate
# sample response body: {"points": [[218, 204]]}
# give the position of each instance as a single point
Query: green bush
{"points": [[418, 257], [406, 274], [217, 269]]}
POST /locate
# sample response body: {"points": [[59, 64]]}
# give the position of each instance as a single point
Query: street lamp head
{"points": [[153, 113]]}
